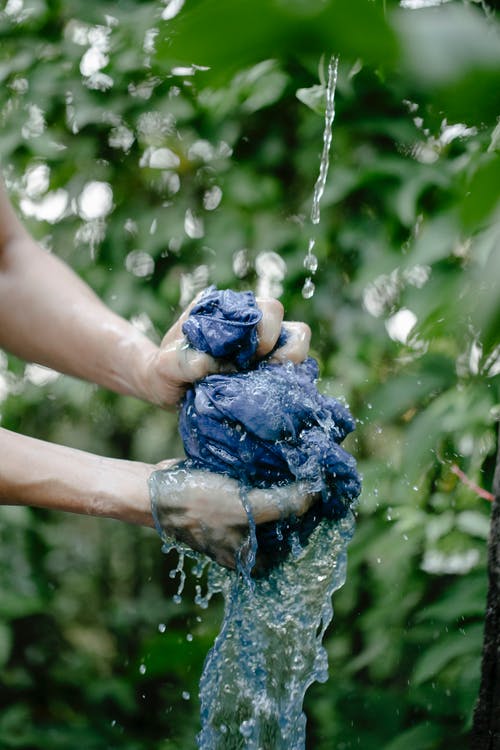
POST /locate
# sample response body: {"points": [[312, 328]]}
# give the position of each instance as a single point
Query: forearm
{"points": [[45, 475], [49, 316]]}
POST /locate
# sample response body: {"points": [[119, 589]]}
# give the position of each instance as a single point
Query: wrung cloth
{"points": [[266, 424]]}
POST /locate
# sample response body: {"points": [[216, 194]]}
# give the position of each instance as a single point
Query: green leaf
{"points": [[313, 97], [452, 53], [422, 737], [227, 35], [464, 598], [483, 193], [14, 605], [450, 647]]}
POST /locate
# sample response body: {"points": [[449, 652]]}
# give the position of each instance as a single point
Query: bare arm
{"points": [[45, 475], [198, 508], [50, 316]]}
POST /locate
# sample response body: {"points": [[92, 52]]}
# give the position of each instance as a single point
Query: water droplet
{"points": [[142, 668], [172, 8], [212, 198], [92, 61], [201, 151], [121, 137], [193, 225], [36, 180], [35, 125], [172, 182], [246, 728], [311, 263], [308, 289], [241, 263], [162, 627], [185, 695], [159, 158], [271, 270], [189, 637], [51, 208], [95, 201], [139, 263]]}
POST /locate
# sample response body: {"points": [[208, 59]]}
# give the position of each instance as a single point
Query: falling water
{"points": [[269, 649], [311, 261]]}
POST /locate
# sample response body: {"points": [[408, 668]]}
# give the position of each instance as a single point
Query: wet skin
{"points": [[48, 315]]}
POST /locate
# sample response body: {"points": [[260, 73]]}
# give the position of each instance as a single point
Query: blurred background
{"points": [[153, 177]]}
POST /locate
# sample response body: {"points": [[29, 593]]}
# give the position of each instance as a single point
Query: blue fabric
{"points": [[267, 425], [224, 324]]}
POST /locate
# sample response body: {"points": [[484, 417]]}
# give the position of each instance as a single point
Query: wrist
{"points": [[129, 364], [121, 491]]}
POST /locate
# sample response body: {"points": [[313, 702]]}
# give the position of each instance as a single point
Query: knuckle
{"points": [[271, 306], [196, 365], [306, 332]]}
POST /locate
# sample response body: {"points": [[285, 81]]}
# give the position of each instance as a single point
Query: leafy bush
{"points": [[210, 171]]}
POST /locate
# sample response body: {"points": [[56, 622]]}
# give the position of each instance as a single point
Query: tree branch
{"points": [[480, 492]]}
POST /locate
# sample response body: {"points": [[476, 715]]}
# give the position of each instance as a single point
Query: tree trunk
{"points": [[486, 726]]}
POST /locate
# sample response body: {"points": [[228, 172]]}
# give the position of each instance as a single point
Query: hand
{"points": [[169, 370], [203, 509]]}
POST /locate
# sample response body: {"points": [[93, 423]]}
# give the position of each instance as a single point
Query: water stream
{"points": [[269, 649], [270, 646], [311, 261]]}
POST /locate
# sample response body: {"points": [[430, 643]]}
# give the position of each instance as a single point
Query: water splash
{"points": [[269, 649], [311, 261]]}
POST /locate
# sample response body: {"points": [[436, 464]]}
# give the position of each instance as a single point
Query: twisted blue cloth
{"points": [[265, 425], [224, 324]]}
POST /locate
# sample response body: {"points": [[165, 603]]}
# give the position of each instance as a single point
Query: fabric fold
{"points": [[266, 425]]}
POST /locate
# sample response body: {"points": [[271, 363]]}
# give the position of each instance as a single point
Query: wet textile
{"points": [[266, 424], [224, 324]]}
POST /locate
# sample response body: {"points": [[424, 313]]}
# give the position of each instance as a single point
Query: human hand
{"points": [[171, 368], [203, 509]]}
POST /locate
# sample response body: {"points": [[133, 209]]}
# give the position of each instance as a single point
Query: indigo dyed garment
{"points": [[267, 425], [224, 324]]}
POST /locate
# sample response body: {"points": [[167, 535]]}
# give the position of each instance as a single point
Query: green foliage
{"points": [[410, 222]]}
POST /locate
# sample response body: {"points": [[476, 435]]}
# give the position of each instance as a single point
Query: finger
{"points": [[194, 365], [302, 495], [168, 463], [269, 328], [279, 502], [296, 346], [181, 364]]}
